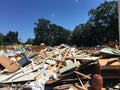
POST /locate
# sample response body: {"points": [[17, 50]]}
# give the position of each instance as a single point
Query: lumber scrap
{"points": [[23, 78], [65, 87], [38, 77], [80, 87], [38, 48], [69, 67], [45, 78], [109, 64], [81, 74], [83, 57], [111, 51], [110, 68], [8, 64], [49, 73], [21, 73], [63, 58], [81, 82]]}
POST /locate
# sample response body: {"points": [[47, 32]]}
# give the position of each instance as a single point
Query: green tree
{"points": [[29, 41], [50, 34], [101, 27], [42, 31], [11, 37], [76, 35], [1, 38], [59, 34], [104, 19]]}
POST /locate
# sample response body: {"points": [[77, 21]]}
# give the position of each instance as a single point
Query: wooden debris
{"points": [[109, 50], [9, 65], [81, 74], [72, 66], [59, 65], [69, 67]]}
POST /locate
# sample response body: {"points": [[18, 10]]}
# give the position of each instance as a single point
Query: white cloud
{"points": [[52, 15], [76, 1]]}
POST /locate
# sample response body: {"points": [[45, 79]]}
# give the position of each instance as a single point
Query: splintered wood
{"points": [[59, 68], [9, 65]]}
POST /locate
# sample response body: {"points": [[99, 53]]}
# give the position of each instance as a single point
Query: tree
{"points": [[105, 20], [41, 31], [30, 41], [76, 35], [50, 34], [59, 34], [1, 38], [101, 27], [11, 37]]}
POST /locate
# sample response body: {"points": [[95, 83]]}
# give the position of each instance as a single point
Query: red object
{"points": [[97, 82]]}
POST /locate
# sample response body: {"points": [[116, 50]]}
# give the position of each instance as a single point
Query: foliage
{"points": [[76, 34], [10, 38], [105, 18], [41, 31], [1, 38], [29, 41], [50, 34], [101, 27]]}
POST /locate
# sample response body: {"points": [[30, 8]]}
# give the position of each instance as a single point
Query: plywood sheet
{"points": [[104, 62], [8, 64]]}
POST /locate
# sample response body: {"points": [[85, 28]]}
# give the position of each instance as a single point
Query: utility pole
{"points": [[119, 18]]}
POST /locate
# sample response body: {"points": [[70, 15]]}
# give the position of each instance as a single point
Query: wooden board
{"points": [[69, 67], [8, 64], [22, 78], [24, 74], [104, 62]]}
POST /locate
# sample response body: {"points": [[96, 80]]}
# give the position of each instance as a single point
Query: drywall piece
{"points": [[81, 57], [69, 67], [21, 77], [110, 51], [68, 62], [50, 62]]}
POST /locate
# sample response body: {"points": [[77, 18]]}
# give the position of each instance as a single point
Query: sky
{"points": [[20, 15]]}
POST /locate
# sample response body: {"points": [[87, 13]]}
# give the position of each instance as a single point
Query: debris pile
{"points": [[61, 67]]}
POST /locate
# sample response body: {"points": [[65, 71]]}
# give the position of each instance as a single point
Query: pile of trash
{"points": [[60, 67]]}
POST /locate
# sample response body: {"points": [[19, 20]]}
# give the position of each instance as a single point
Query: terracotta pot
{"points": [[97, 82]]}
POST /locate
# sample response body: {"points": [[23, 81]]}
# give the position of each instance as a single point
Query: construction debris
{"points": [[59, 68]]}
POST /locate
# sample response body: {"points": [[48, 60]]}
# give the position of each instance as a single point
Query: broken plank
{"points": [[8, 64], [64, 57], [79, 73], [69, 67]]}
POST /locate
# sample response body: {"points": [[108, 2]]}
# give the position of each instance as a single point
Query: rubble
{"points": [[59, 68]]}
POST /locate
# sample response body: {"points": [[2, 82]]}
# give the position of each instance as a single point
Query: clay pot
{"points": [[97, 82]]}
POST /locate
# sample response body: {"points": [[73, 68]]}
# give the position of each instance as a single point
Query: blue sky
{"points": [[20, 15]]}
